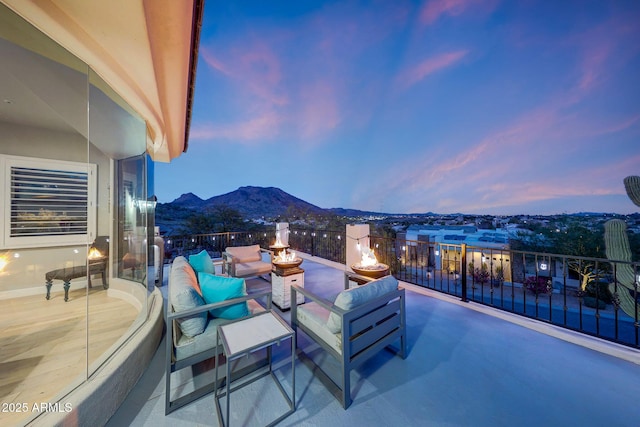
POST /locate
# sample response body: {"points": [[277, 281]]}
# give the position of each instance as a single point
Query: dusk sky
{"points": [[473, 106]]}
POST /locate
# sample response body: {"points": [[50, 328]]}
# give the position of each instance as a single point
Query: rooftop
{"points": [[468, 365]]}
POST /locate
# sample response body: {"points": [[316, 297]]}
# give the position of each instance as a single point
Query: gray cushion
{"points": [[314, 317], [245, 253], [184, 296], [189, 346], [352, 298]]}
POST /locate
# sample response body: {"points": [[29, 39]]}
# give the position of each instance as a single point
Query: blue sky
{"points": [[474, 106]]}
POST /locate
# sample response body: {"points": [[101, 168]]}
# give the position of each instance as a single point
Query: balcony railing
{"points": [[567, 291]]}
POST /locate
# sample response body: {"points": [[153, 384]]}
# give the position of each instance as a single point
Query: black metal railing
{"points": [[214, 243], [578, 293]]}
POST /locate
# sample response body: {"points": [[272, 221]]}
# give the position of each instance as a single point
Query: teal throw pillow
{"points": [[218, 289], [202, 263]]}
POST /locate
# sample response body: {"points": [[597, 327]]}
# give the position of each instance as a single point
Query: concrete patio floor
{"points": [[467, 366]]}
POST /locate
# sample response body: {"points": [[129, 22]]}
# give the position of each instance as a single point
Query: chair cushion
{"points": [[352, 298], [315, 317], [202, 262], [184, 296], [218, 289], [245, 253], [189, 346], [255, 268]]}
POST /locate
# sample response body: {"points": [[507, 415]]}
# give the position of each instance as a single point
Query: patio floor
{"points": [[465, 367]]}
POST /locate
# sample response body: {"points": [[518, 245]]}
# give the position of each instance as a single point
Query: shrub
{"points": [[481, 275], [594, 302], [538, 285], [599, 290]]}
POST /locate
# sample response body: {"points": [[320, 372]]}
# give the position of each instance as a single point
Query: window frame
{"points": [[7, 162]]}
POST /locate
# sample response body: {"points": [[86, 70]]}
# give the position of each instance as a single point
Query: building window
{"points": [[47, 202]]}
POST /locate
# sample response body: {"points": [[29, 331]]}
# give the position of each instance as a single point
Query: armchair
{"points": [[353, 328], [245, 261]]}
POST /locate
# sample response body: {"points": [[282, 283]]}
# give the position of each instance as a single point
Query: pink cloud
{"points": [[435, 9], [261, 127], [255, 67], [429, 66], [319, 110]]}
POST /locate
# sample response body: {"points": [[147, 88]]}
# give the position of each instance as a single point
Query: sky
{"points": [[446, 106]]}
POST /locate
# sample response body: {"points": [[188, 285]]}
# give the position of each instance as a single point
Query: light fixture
{"points": [[147, 206], [543, 266]]}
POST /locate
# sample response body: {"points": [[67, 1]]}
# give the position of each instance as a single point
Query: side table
{"points": [[244, 337]]}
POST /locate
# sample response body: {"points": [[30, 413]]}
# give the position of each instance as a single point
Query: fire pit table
{"points": [[286, 272]]}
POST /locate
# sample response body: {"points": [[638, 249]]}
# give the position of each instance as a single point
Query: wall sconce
{"points": [[544, 266], [147, 206]]}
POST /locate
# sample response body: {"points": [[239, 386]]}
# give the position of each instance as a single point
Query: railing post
{"points": [[463, 271]]}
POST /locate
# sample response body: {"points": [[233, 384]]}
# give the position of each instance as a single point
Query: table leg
{"points": [[49, 283], [293, 369], [66, 285], [228, 379]]}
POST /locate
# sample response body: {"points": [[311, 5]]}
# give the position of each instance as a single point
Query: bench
{"points": [[358, 324], [96, 266]]}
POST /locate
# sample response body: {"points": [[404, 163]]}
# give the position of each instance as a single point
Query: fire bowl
{"points": [[375, 271], [288, 264]]}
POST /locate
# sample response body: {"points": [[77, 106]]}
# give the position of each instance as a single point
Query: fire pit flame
{"points": [[284, 257], [369, 265], [286, 260], [368, 258], [94, 253]]}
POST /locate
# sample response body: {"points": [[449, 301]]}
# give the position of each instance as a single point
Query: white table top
{"points": [[254, 332]]}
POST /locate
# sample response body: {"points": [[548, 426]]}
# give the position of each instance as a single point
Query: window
{"points": [[47, 202]]}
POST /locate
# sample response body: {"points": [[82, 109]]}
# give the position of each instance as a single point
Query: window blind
{"points": [[48, 202]]}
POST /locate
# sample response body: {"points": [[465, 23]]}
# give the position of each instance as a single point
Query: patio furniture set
{"points": [[213, 316]]}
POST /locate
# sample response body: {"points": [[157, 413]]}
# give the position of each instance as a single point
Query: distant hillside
{"points": [[189, 200], [251, 202]]}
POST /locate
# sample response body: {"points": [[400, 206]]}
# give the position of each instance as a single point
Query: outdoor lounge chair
{"points": [[359, 323]]}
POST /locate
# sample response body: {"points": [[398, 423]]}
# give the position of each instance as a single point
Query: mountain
{"points": [[251, 202], [189, 200]]}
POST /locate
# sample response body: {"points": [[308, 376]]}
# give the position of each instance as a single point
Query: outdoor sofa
{"points": [[193, 317]]}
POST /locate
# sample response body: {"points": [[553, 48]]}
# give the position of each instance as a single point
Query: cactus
{"points": [[632, 185], [617, 248]]}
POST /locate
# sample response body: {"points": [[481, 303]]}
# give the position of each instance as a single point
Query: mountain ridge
{"points": [[252, 202]]}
